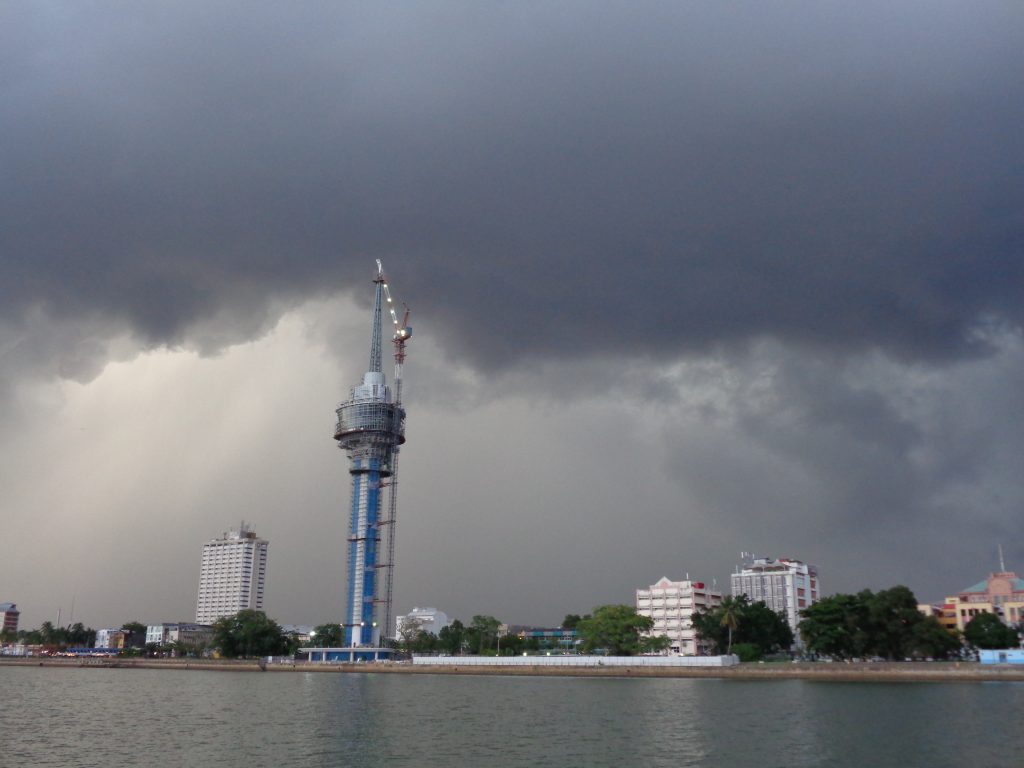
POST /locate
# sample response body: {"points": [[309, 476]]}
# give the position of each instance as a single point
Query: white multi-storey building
{"points": [[671, 604], [428, 619], [786, 586], [232, 576]]}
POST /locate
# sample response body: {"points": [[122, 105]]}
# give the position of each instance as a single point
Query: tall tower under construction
{"points": [[370, 428]]}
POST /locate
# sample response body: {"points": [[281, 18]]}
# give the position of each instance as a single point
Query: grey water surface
{"points": [[129, 717]]}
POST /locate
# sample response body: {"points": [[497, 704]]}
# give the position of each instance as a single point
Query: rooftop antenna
{"points": [[1002, 564]]}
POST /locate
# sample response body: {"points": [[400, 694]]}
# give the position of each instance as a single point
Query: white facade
{"points": [[428, 619], [786, 586], [232, 575], [671, 604]]}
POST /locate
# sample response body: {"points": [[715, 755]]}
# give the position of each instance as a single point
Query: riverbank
{"points": [[836, 672]]}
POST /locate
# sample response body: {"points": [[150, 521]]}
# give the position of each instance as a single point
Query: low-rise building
{"points": [[945, 613], [671, 604], [554, 638], [187, 634], [111, 638], [428, 619], [787, 586], [301, 633], [1002, 656]]}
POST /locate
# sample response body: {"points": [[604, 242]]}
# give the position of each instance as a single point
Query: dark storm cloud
{"points": [[542, 179]]}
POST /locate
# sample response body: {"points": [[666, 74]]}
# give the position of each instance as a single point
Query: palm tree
{"points": [[730, 618]]}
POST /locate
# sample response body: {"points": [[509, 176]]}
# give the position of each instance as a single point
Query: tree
{"points": [[485, 630], [248, 633], [325, 636], [136, 637], [747, 652], [616, 629], [729, 617], [737, 620], [654, 643], [987, 631], [833, 626], [408, 632], [891, 617], [932, 640], [885, 623], [571, 620], [452, 637]]}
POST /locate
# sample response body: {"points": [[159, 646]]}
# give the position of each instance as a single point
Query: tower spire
{"points": [[375, 341]]}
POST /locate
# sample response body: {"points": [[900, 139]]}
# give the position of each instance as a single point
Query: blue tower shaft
{"points": [[363, 549]]}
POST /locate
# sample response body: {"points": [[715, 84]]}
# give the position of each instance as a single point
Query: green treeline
{"points": [[885, 624]]}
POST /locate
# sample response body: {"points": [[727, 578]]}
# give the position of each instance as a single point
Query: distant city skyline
{"points": [[687, 281]]}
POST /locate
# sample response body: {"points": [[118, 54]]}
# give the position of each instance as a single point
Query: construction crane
{"points": [[402, 333]]}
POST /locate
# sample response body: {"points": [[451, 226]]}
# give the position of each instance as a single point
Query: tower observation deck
{"points": [[370, 428]]}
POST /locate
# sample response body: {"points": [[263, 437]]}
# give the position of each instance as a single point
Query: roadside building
{"points": [[945, 613], [787, 586], [1002, 656], [428, 619], [301, 633], [546, 638], [111, 638], [194, 636], [671, 604], [1002, 593], [10, 614]]}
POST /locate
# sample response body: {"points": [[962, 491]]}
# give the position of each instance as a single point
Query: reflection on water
{"points": [[102, 717]]}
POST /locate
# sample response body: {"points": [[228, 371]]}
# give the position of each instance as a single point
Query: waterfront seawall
{"points": [[857, 672]]}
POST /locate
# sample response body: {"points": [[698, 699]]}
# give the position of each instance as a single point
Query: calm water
{"points": [[125, 717]]}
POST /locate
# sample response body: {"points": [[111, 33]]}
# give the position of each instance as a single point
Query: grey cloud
{"points": [[542, 180], [765, 262]]}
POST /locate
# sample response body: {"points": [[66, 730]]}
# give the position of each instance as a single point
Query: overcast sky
{"points": [[686, 279]]}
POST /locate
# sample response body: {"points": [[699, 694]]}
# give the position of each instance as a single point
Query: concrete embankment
{"points": [[859, 672]]}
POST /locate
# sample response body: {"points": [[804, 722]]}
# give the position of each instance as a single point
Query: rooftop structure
{"points": [[370, 428], [232, 576]]}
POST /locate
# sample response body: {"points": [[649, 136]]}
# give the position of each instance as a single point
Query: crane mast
{"points": [[401, 335]]}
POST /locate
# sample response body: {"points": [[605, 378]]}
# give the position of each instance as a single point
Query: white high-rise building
{"points": [[786, 586], [232, 575], [671, 604]]}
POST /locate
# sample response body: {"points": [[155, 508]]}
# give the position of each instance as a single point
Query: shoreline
{"points": [[826, 672]]}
